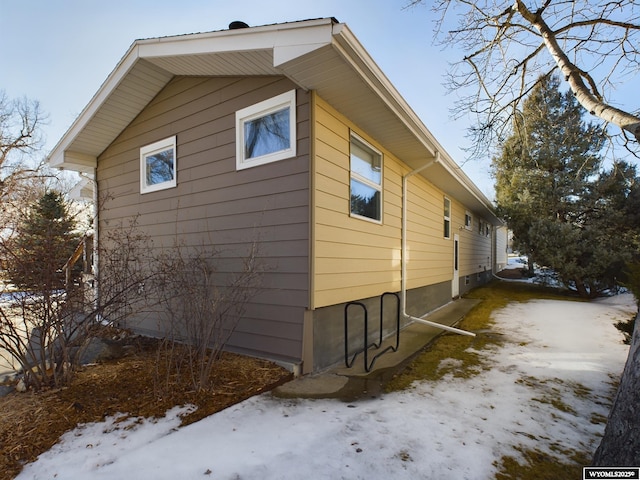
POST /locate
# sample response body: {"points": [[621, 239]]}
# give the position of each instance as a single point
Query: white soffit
{"points": [[120, 99]]}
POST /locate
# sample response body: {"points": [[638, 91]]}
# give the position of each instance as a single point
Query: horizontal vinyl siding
{"points": [[429, 254], [354, 258], [216, 206], [475, 249], [502, 240]]}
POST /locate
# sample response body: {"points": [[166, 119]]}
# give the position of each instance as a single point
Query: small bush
{"points": [[203, 306]]}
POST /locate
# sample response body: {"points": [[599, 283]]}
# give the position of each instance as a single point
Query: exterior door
{"points": [[455, 283]]}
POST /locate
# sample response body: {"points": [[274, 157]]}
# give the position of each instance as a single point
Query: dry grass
{"points": [[31, 423], [458, 355]]}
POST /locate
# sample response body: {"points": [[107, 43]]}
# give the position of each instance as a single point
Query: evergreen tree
{"points": [[45, 239], [564, 212]]}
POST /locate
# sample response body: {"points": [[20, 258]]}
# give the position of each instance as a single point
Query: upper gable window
{"points": [[366, 180], [266, 131], [158, 165]]}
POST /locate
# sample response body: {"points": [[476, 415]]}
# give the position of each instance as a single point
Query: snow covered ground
{"points": [[557, 353]]}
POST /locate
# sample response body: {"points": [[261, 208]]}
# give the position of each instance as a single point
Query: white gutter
{"points": [[405, 182]]}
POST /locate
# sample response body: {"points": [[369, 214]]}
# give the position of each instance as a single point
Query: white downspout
{"points": [[405, 182]]}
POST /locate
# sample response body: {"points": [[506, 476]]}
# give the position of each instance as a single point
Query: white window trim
{"points": [[287, 99], [156, 147], [366, 181], [447, 218]]}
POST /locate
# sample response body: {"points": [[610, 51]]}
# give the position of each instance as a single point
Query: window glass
{"points": [[365, 163], [365, 200], [268, 134], [366, 180], [158, 165], [447, 218]]}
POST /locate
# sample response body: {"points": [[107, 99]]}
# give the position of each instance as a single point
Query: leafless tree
{"points": [[23, 176], [21, 121], [509, 44], [20, 124]]}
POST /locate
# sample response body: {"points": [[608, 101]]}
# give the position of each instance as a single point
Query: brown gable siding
{"points": [[213, 204]]}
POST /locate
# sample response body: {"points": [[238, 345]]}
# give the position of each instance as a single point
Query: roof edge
{"points": [[351, 49], [57, 157]]}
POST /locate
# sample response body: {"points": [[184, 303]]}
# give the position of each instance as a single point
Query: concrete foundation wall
{"points": [[328, 322], [469, 282]]}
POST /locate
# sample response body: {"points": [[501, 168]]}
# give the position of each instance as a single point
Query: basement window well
{"points": [[266, 131], [158, 165]]}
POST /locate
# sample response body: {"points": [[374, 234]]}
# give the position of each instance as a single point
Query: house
{"points": [[289, 133]]}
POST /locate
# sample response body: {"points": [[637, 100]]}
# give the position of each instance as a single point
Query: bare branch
{"points": [[20, 123], [509, 44]]}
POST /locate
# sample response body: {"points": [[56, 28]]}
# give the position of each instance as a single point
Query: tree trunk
{"points": [[620, 445], [531, 265], [581, 288]]}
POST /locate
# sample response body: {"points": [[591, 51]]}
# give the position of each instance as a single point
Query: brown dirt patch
{"points": [[512, 273], [32, 422]]}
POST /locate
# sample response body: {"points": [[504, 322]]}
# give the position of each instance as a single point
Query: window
{"points": [[158, 165], [447, 218], [468, 221], [366, 180], [266, 131], [484, 228]]}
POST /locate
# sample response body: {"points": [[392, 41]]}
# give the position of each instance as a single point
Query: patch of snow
{"points": [[556, 352]]}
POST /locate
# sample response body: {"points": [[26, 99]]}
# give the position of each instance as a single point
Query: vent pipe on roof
{"points": [[237, 24]]}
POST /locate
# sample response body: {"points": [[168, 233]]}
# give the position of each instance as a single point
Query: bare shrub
{"points": [[204, 306], [46, 329]]}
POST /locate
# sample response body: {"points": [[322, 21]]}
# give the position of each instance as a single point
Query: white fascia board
{"points": [[297, 43], [288, 41], [58, 156], [352, 51]]}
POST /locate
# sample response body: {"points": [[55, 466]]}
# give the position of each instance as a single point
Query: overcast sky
{"points": [[60, 51]]}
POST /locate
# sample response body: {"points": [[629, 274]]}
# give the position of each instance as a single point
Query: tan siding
{"points": [[430, 255], [355, 258], [475, 249], [213, 204]]}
